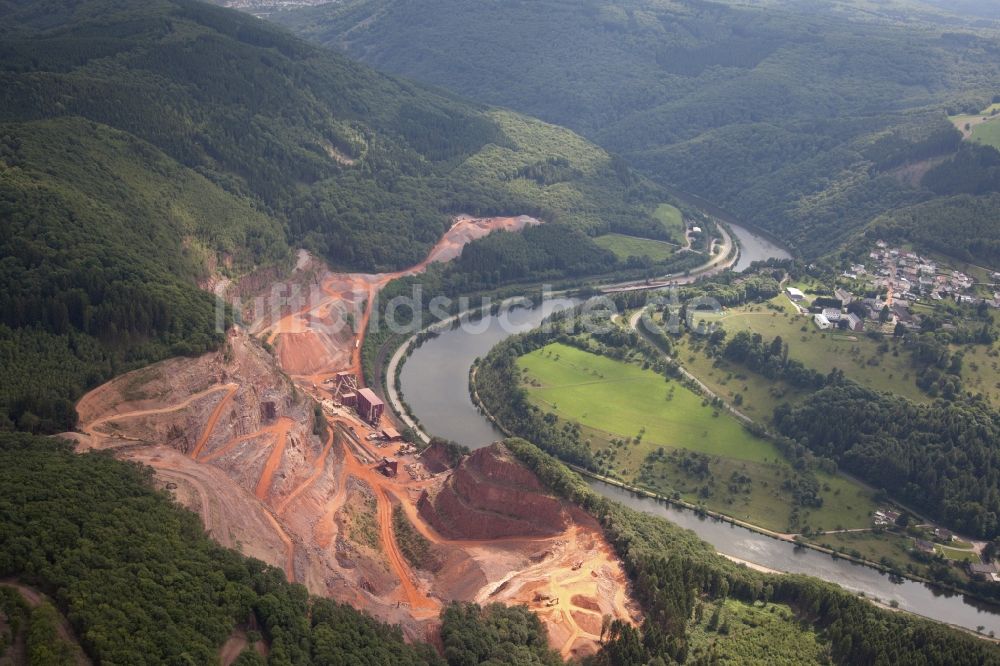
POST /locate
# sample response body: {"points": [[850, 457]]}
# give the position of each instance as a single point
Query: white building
{"points": [[794, 294], [822, 323]]}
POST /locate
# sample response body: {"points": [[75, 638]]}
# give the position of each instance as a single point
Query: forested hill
{"points": [[146, 143], [791, 115]]}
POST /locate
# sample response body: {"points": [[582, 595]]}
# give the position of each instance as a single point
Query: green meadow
{"points": [[623, 399], [672, 220], [879, 365], [657, 433], [988, 133], [632, 246]]}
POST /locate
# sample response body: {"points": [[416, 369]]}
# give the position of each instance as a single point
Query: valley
{"points": [[634, 333]]}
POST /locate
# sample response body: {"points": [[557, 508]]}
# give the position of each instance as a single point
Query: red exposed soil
{"points": [[490, 496], [435, 459]]}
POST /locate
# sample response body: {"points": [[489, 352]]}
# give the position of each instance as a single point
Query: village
{"points": [[891, 291]]}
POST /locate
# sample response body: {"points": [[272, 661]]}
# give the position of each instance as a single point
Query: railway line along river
{"points": [[435, 385]]}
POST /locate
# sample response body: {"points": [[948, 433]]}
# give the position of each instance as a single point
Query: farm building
{"points": [[822, 323], [794, 294], [369, 406]]}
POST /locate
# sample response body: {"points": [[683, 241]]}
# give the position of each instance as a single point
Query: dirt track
{"points": [[34, 598]]}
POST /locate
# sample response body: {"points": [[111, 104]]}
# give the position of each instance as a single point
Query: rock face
{"points": [[436, 458], [491, 496]]}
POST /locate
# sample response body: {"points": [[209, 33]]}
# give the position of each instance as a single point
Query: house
{"points": [[822, 323], [794, 294], [696, 230], [983, 571], [943, 534], [844, 295], [924, 546]]}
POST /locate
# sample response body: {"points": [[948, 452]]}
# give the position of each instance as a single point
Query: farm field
{"points": [[632, 246], [625, 400], [659, 434], [673, 221]]}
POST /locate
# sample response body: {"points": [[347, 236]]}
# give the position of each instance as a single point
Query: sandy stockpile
{"points": [[467, 229]]}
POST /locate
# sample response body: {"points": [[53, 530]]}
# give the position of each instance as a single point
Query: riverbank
{"points": [[703, 513]]}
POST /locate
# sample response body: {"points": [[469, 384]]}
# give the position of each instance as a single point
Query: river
{"points": [[435, 384], [754, 247]]}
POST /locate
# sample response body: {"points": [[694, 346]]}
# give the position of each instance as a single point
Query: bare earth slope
{"points": [[233, 435]]}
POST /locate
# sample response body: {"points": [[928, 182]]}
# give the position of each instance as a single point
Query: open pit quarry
{"points": [[235, 436]]}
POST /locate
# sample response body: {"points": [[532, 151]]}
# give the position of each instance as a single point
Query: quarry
{"points": [[287, 457]]}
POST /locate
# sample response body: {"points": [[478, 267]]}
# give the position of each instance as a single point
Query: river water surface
{"points": [[435, 384]]}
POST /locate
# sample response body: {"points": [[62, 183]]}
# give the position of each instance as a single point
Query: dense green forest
{"points": [[104, 240], [942, 458], [145, 146], [793, 116]]}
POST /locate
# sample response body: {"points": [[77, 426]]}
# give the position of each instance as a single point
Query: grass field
{"points": [[673, 221], [959, 554], [623, 399], [988, 133], [873, 546], [981, 371], [760, 394], [661, 435], [860, 357], [891, 548], [976, 119], [632, 246]]}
